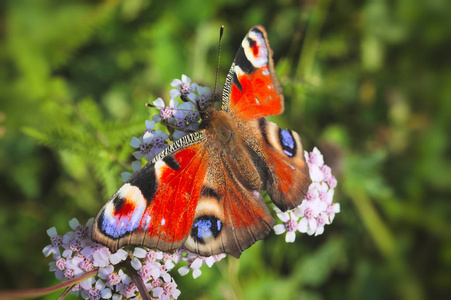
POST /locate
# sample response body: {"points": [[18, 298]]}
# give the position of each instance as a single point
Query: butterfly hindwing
{"points": [[155, 208], [230, 214], [286, 176], [278, 156], [252, 89]]}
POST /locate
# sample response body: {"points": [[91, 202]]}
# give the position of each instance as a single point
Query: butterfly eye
{"points": [[205, 228]]}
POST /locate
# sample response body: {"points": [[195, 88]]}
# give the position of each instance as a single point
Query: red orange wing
{"points": [[252, 89], [156, 207], [190, 195]]}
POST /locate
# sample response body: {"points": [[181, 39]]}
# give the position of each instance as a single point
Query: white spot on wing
{"points": [[123, 190], [158, 167], [239, 72], [163, 221], [146, 225]]}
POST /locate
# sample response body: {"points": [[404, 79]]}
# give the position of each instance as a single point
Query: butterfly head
{"points": [[207, 108]]}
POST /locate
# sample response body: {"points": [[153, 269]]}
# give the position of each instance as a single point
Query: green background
{"points": [[365, 81]]}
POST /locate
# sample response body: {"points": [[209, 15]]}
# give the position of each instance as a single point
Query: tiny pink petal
{"points": [[319, 230], [150, 124], [106, 293], [136, 263], [104, 272], [135, 142], [125, 176], [290, 237], [197, 273], [159, 103], [138, 154], [176, 83], [186, 79], [191, 96], [174, 93], [157, 292], [183, 270], [156, 118], [204, 91], [136, 166], [209, 261], [303, 225], [196, 264], [73, 223], [119, 256], [139, 252], [279, 229], [51, 232], [315, 173], [283, 216]]}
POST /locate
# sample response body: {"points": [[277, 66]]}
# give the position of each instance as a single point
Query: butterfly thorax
{"points": [[221, 126], [228, 149]]}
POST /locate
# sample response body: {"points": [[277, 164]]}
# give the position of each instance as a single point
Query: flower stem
{"points": [[138, 281], [34, 293]]}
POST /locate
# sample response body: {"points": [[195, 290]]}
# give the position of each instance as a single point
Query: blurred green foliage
{"points": [[365, 81]]}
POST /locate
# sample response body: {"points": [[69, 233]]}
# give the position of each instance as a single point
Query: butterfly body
{"points": [[203, 191]]}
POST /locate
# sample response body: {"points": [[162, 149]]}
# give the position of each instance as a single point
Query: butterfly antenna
{"points": [[221, 31]]}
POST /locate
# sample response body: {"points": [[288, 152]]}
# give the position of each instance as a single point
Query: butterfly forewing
{"points": [[155, 208], [252, 89]]}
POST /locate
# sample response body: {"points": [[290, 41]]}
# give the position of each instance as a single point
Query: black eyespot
{"points": [[205, 228], [251, 42], [118, 202]]}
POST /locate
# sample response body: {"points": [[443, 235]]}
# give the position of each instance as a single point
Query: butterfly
{"points": [[202, 192]]}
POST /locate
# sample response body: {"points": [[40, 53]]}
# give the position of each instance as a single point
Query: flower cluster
{"points": [[317, 209], [75, 253], [180, 118]]}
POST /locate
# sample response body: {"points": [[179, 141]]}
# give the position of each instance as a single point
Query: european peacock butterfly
{"points": [[203, 191]]}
